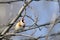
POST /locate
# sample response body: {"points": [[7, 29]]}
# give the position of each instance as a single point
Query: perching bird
{"points": [[20, 26]]}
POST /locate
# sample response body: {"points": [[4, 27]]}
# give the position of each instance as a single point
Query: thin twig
{"points": [[30, 18], [35, 22]]}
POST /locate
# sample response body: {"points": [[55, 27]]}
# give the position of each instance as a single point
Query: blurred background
{"points": [[43, 9]]}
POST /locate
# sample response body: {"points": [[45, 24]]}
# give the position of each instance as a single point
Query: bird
{"points": [[20, 25]]}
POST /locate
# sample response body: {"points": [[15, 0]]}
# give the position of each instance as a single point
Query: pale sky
{"points": [[44, 9]]}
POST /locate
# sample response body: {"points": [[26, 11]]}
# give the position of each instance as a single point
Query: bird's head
{"points": [[23, 19]]}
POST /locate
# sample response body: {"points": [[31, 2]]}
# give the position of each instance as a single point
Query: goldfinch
{"points": [[20, 25]]}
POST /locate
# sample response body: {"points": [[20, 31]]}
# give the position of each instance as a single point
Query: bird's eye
{"points": [[23, 21]]}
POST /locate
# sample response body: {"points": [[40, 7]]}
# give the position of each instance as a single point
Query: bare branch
{"points": [[16, 34], [35, 22], [54, 34], [51, 25], [30, 18]]}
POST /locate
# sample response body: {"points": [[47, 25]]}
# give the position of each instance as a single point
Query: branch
{"points": [[55, 34], [16, 34], [35, 22], [52, 24], [29, 17]]}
